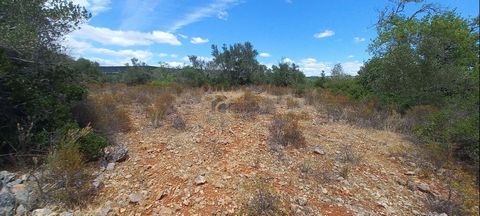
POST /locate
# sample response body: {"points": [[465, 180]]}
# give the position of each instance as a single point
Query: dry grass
{"points": [[250, 104], [262, 200], [66, 169], [105, 112], [160, 107], [292, 103], [285, 131]]}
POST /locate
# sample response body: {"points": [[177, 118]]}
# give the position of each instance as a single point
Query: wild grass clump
{"points": [[160, 107], [71, 184], [262, 200], [250, 104], [285, 131]]}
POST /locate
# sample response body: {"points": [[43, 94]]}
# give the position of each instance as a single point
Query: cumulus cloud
{"points": [[173, 64], [217, 7], [352, 67], [312, 67], [198, 40], [287, 60], [265, 55], [324, 34], [108, 36], [358, 39], [81, 48]]}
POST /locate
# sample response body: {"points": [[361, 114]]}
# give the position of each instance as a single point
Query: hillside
{"points": [[232, 154]]}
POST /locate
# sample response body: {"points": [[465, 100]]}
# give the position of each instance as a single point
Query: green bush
{"points": [[92, 145]]}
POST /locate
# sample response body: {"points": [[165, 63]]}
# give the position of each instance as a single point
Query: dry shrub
{"points": [[285, 131], [218, 99], [66, 165], [394, 122], [292, 103], [348, 155], [250, 104], [262, 200], [178, 122], [162, 105], [104, 112]]}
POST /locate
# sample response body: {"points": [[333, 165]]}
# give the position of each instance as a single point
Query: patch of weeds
{"points": [[262, 200], [285, 131]]}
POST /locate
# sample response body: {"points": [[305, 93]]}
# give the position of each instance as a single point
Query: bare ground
{"points": [[232, 152]]}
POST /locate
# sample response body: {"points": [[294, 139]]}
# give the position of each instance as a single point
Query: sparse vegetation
{"points": [[261, 199], [285, 131], [160, 107], [250, 105]]}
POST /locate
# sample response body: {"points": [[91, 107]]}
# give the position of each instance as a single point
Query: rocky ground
{"points": [[208, 168]]}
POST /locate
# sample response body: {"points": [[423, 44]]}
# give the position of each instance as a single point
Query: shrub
{"points": [[67, 168], [92, 145], [285, 131], [250, 104], [162, 105], [104, 113], [262, 201], [178, 122], [218, 99], [348, 155]]}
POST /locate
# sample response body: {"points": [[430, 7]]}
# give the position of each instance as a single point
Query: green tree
{"points": [[138, 73], [286, 74], [237, 63], [34, 28], [38, 84], [337, 71]]}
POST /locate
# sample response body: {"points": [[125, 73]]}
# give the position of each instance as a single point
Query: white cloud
{"points": [[173, 64], [183, 36], [358, 39], [107, 36], [139, 54], [94, 6], [163, 55], [351, 56], [223, 15], [217, 7], [352, 67], [173, 55], [312, 67], [198, 40], [287, 60], [265, 55], [324, 34], [81, 49]]}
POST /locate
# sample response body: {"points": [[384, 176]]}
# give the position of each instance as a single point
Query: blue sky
{"points": [[311, 33]]}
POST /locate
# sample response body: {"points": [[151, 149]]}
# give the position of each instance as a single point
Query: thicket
{"points": [[39, 85]]}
